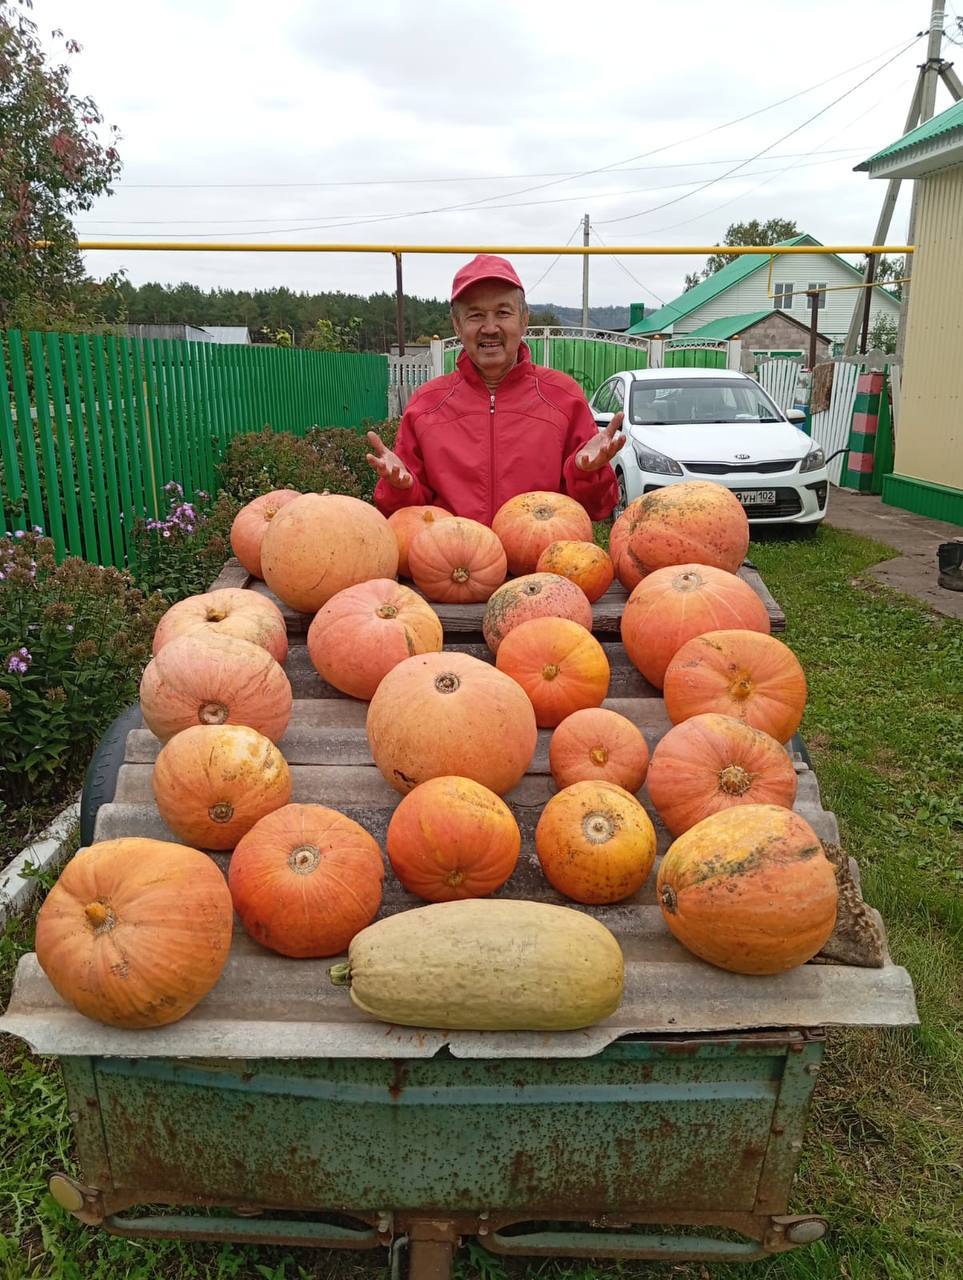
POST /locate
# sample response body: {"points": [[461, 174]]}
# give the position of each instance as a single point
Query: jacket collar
{"points": [[520, 369]]}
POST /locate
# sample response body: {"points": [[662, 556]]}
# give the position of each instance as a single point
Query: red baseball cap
{"points": [[486, 266]]}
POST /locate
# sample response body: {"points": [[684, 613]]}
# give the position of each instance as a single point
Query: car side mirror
{"points": [[602, 420], [795, 415]]}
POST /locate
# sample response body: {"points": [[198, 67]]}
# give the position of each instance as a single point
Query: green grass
{"points": [[884, 1152]]}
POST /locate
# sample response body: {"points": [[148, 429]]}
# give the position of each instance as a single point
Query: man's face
{"points": [[490, 320]]}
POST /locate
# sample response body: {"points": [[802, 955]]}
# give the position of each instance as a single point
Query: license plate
{"points": [[756, 497]]}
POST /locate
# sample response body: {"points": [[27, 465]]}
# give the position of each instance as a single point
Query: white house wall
{"points": [[750, 295]]}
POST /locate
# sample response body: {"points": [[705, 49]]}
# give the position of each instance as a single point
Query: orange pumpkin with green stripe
{"points": [[749, 890]]}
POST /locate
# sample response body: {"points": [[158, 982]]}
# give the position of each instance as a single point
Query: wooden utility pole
{"points": [[400, 305], [922, 107], [585, 271]]}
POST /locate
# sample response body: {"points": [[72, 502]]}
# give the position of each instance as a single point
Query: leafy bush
{"points": [[74, 639], [182, 554], [328, 459]]}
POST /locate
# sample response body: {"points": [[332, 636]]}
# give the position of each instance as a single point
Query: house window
{"points": [[820, 298], [782, 297]]}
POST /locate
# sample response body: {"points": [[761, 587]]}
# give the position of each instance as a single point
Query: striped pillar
{"points": [[862, 433]]}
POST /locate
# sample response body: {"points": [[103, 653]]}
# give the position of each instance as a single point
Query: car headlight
{"points": [[813, 460], [649, 460]]}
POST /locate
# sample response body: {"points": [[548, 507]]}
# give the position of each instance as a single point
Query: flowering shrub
{"points": [[183, 553], [74, 639]]}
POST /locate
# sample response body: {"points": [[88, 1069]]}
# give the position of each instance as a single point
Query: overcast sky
{"points": [[343, 122]]}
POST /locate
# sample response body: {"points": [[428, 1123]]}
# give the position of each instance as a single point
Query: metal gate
{"points": [[831, 427], [780, 380]]}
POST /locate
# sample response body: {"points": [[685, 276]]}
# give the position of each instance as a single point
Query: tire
{"points": [[100, 780], [623, 501]]}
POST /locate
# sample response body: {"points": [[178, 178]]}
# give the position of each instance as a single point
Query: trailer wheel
{"points": [[100, 780]]}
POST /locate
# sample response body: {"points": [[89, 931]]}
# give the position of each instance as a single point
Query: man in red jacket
{"points": [[499, 425]]}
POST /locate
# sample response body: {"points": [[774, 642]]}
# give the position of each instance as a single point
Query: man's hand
{"points": [[387, 464], [602, 448]]}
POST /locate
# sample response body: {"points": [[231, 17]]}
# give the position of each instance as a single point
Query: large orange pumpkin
{"points": [[305, 879], [530, 522], [251, 524], [364, 631], [584, 563], [671, 605], [559, 664], [450, 713], [714, 762], [745, 674], [457, 561], [229, 611], [135, 932], [695, 521], [214, 680], [452, 838], [625, 569], [749, 889], [598, 745], [595, 842], [407, 523], [213, 782], [536, 595], [323, 542]]}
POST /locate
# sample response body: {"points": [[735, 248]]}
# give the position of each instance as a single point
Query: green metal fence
{"points": [[708, 356], [93, 427], [588, 360]]}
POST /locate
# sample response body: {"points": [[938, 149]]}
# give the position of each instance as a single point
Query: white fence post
{"points": [[437, 357], [734, 360], [655, 353]]}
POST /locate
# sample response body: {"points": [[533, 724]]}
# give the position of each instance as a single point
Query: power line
{"points": [[522, 204], [400, 182], [822, 111], [486, 200], [555, 261], [598, 236], [707, 213]]}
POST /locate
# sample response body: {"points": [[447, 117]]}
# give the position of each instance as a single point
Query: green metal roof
{"points": [[741, 267], [727, 326], [706, 290], [946, 122]]}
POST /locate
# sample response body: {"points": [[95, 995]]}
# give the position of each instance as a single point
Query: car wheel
{"points": [[623, 501]]}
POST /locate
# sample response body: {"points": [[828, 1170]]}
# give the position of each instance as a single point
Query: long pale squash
{"points": [[485, 966]]}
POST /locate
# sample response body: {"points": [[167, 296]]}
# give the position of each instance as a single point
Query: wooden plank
{"points": [[466, 619]]}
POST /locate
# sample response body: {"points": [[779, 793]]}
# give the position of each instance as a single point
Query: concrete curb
{"points": [[48, 850]]}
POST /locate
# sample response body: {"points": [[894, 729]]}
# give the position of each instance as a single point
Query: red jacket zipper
{"points": [[491, 457]]}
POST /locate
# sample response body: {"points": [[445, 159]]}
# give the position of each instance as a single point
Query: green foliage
{"points": [[327, 459], [182, 554], [772, 231], [327, 336], [73, 642], [882, 333], [53, 165]]}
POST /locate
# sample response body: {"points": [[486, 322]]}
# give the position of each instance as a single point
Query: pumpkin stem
{"points": [[550, 671], [734, 780], [447, 683], [270, 512], [387, 611], [532, 588], [340, 974], [454, 878], [669, 899], [212, 713], [304, 859], [100, 916], [223, 811], [742, 688], [598, 828], [690, 581], [216, 615], [543, 513], [428, 518], [460, 575], [598, 755]]}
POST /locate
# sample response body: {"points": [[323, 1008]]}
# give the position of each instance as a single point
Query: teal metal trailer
{"points": [[276, 1112]]}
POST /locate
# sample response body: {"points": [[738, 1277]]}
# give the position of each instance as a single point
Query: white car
{"points": [[714, 424]]}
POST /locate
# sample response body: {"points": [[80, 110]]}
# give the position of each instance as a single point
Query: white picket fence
{"points": [[831, 428], [780, 380]]}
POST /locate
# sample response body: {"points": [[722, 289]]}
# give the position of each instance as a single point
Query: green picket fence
{"points": [[93, 427], [708, 356]]}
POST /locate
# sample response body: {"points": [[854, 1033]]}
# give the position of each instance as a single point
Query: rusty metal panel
{"points": [[646, 1126]]}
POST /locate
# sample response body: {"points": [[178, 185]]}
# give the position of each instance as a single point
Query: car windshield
{"points": [[688, 400]]}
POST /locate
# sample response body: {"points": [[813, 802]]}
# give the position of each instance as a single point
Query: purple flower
{"points": [[19, 663], [202, 496], [173, 487], [38, 531], [19, 534], [166, 533]]}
